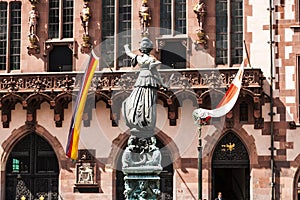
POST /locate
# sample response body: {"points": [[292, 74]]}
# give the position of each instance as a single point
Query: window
{"points": [[172, 17], [15, 165], [60, 59], [3, 34], [173, 55], [229, 32], [15, 35], [297, 12], [115, 39], [108, 24], [10, 42], [60, 10]]}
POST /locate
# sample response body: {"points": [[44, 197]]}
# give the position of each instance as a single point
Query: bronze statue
{"points": [[145, 18], [142, 157], [33, 20], [139, 109], [200, 11], [85, 16]]}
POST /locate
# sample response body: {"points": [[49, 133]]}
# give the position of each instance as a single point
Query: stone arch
{"points": [[205, 99], [12, 96], [181, 95], [296, 181], [8, 103], [102, 96], [213, 140], [231, 164], [21, 132], [246, 139]]}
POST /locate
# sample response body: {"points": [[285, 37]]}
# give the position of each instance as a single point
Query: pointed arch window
{"points": [[229, 32]]}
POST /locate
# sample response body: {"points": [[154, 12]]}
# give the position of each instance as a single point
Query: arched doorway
{"points": [[231, 169], [297, 185], [32, 170], [166, 176]]}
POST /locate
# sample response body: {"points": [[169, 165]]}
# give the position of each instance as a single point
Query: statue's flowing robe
{"points": [[139, 109]]}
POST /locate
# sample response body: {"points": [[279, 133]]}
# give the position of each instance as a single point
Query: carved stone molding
{"points": [[184, 41], [51, 87], [49, 44]]}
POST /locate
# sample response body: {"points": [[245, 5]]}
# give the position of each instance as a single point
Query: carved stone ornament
{"points": [[141, 189], [201, 41], [85, 173], [86, 46]]}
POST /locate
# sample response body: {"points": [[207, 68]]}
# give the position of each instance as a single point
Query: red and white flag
{"points": [[227, 102]]}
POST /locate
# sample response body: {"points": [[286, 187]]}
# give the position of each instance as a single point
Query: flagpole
{"points": [[272, 148], [199, 163], [201, 123]]}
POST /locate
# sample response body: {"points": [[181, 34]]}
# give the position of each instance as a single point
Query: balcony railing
{"points": [[124, 80]]}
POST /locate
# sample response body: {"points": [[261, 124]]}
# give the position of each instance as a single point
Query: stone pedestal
{"points": [[142, 183], [141, 165]]}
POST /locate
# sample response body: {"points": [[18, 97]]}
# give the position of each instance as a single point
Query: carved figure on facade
{"points": [[200, 11], [139, 109], [85, 16], [33, 20], [145, 18]]}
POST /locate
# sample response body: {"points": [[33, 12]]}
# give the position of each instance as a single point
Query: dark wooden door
{"points": [[32, 170]]}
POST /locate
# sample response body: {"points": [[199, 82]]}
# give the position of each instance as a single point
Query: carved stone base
{"points": [[141, 164], [34, 47], [201, 42], [86, 46], [140, 187]]}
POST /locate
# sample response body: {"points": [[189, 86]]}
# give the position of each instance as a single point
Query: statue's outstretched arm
{"points": [[128, 52]]}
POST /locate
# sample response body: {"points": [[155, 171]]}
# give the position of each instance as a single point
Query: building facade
{"points": [[250, 153]]}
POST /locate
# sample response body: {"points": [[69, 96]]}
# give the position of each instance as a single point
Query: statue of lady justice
{"points": [[139, 109]]}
